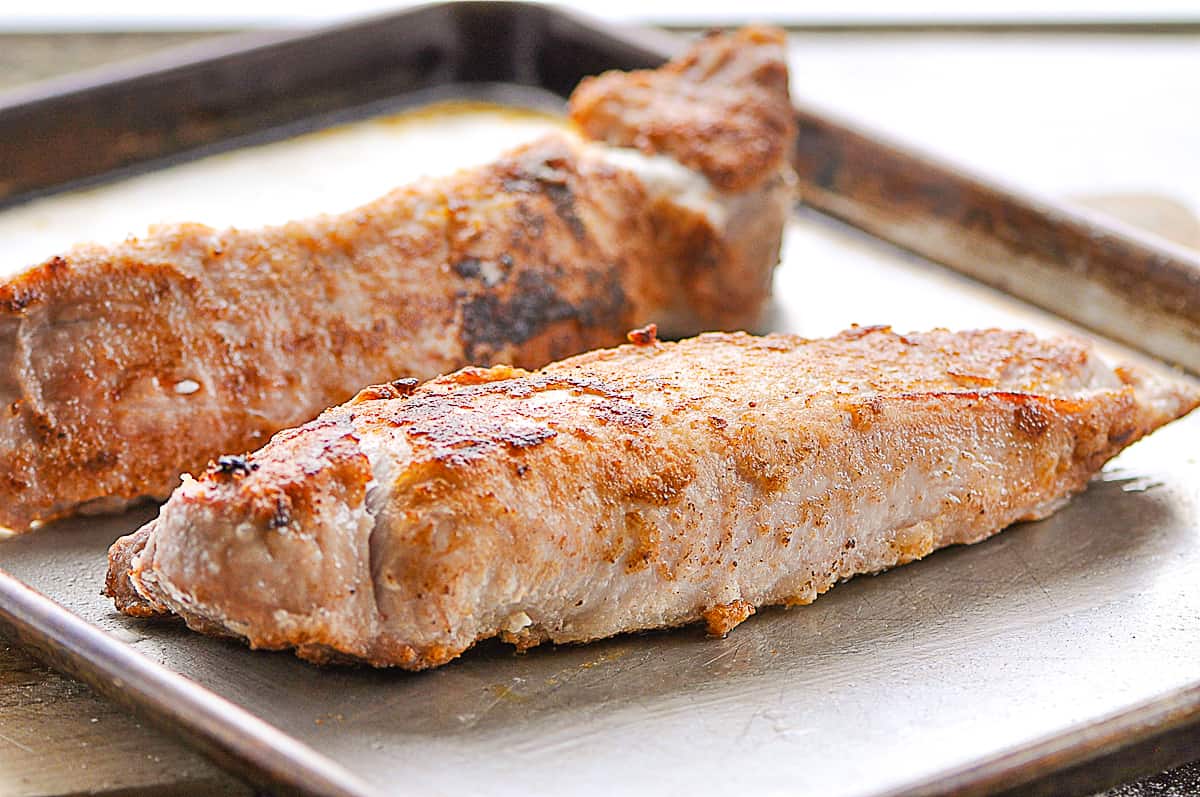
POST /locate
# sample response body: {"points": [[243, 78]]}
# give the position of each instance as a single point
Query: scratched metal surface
{"points": [[884, 682]]}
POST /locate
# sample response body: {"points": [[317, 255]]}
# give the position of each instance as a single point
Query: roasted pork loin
{"points": [[641, 487], [123, 366]]}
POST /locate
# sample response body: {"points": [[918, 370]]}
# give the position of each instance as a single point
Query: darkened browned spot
{"points": [[564, 205], [426, 410], [459, 439], [101, 460], [232, 465], [551, 178], [31, 287], [532, 224], [524, 438], [1031, 419], [491, 320], [622, 412], [330, 462], [282, 516], [576, 383], [1121, 435], [468, 268], [473, 268], [458, 432]]}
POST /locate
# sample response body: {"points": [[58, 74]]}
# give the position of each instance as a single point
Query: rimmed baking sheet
{"points": [[977, 669]]}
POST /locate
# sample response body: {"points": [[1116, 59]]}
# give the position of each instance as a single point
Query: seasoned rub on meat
{"points": [[641, 487], [715, 109], [122, 366]]}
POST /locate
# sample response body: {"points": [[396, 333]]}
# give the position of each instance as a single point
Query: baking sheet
{"points": [[884, 684], [973, 669]]}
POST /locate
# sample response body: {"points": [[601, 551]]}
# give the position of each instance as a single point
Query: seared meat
{"points": [[640, 487], [122, 366], [715, 109]]}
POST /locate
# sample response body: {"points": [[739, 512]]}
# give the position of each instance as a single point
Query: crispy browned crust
{"points": [[724, 617], [117, 584], [728, 89], [123, 366], [747, 470]]}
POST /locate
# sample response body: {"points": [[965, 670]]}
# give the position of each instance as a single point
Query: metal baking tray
{"points": [[1055, 658]]}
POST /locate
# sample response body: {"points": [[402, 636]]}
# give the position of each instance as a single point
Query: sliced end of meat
{"points": [[722, 108], [268, 517], [81, 401], [119, 586]]}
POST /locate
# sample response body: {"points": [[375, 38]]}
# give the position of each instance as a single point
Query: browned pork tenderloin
{"points": [[123, 366], [633, 488]]}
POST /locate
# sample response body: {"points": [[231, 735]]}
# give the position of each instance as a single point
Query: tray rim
{"points": [[241, 742], [233, 737]]}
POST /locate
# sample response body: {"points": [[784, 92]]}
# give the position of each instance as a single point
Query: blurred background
{"points": [[143, 14]]}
